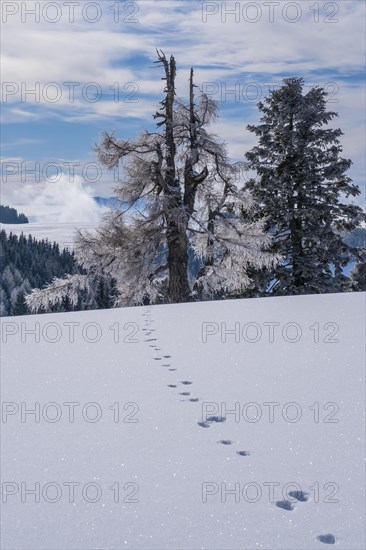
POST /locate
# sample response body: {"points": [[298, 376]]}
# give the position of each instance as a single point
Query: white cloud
{"points": [[107, 52], [59, 201], [84, 52]]}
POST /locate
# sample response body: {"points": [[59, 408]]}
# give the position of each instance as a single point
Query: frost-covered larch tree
{"points": [[300, 187], [180, 193]]}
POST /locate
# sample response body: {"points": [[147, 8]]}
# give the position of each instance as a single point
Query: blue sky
{"points": [[238, 49]]}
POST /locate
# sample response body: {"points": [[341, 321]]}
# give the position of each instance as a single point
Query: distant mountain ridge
{"points": [[356, 238], [113, 202], [110, 202]]}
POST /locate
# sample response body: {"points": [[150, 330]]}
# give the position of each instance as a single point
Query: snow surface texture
{"points": [[175, 450]]}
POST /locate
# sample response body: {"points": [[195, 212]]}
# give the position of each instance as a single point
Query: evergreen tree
{"points": [[26, 263], [105, 293], [101, 296], [301, 181], [358, 274], [66, 304], [10, 215], [20, 307]]}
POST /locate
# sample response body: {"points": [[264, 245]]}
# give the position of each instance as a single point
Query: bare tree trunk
{"points": [[176, 220], [191, 178]]}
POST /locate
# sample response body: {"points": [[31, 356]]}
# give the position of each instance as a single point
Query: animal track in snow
{"points": [[285, 505], [186, 382], [243, 453], [216, 419], [225, 442], [184, 393], [194, 399], [167, 356], [327, 539], [207, 423], [299, 495], [172, 386]]}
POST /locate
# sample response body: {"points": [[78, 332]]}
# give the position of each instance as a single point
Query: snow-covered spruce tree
{"points": [[179, 193], [358, 274], [300, 187]]}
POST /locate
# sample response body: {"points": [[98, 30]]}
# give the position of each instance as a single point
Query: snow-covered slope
{"points": [[136, 414]]}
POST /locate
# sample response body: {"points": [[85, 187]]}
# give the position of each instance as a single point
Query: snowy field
{"points": [[222, 425]]}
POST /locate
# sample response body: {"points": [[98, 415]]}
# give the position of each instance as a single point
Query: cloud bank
{"points": [[60, 201]]}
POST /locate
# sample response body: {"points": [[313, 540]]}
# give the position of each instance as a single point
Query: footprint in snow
{"points": [[172, 386], [186, 382], [243, 453], [172, 369], [194, 399], [327, 539], [151, 340], [167, 356], [215, 419], [299, 495], [207, 423], [157, 358], [203, 424], [225, 442], [285, 505], [184, 393], [165, 365]]}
